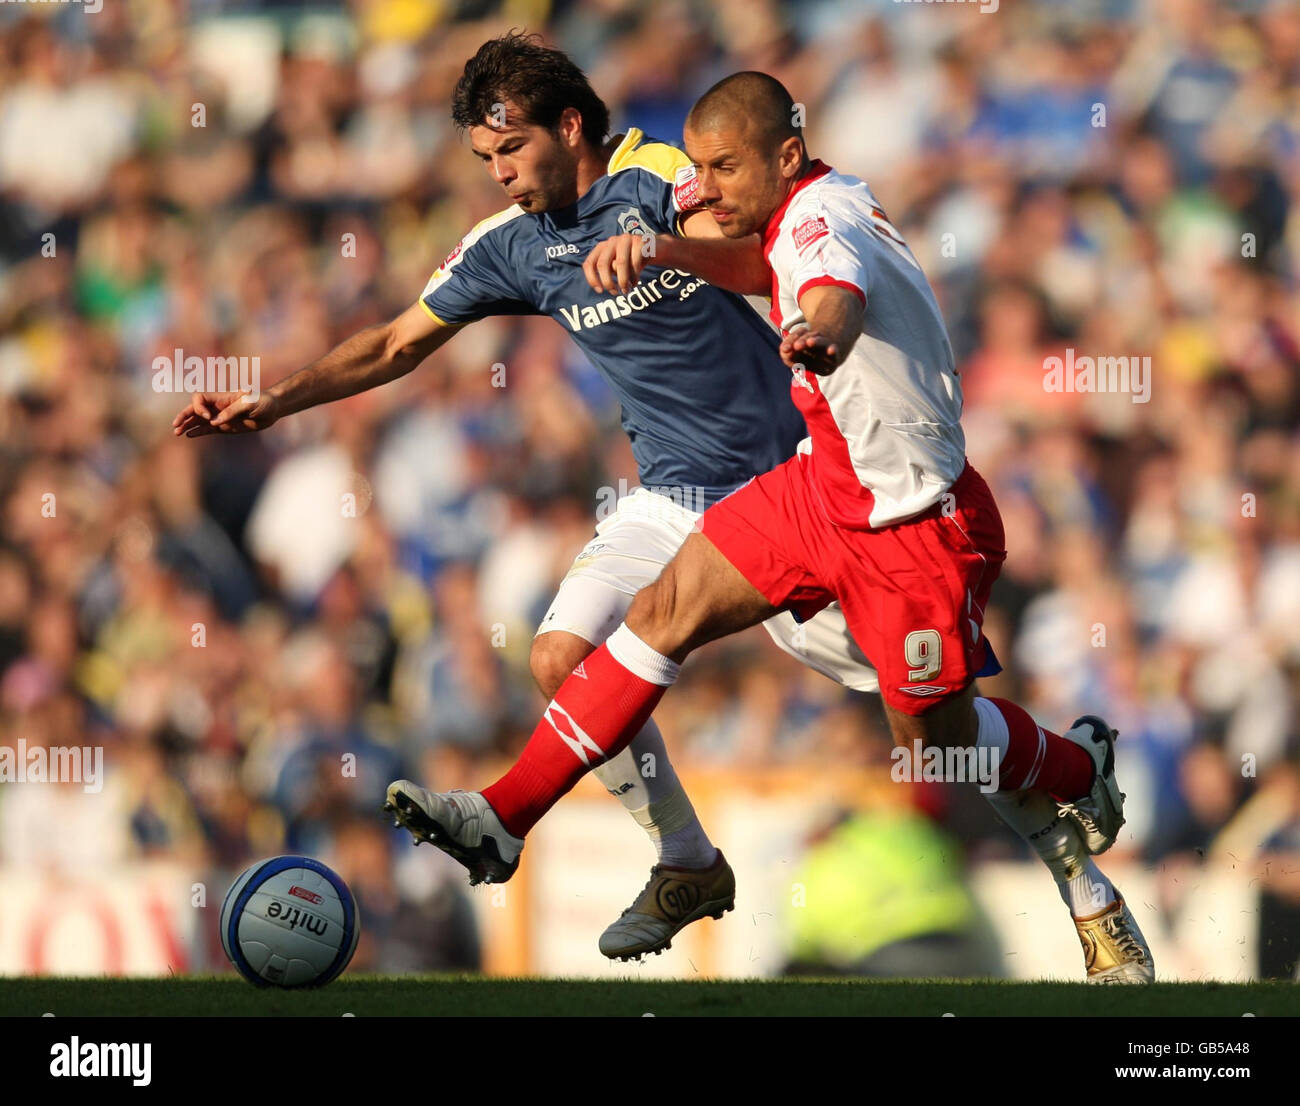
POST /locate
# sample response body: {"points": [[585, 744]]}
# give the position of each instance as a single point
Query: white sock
{"points": [[1032, 814], [640, 659], [643, 779]]}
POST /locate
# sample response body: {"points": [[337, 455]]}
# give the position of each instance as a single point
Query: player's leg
{"points": [[1114, 948], [641, 777], [698, 597], [1113, 944], [1019, 752], [628, 552], [701, 595], [1058, 791], [586, 608], [914, 595], [826, 644], [594, 715], [691, 878]]}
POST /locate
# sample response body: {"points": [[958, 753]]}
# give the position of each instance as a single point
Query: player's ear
{"points": [[790, 157], [570, 128]]}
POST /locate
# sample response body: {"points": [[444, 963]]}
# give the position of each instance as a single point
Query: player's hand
{"points": [[815, 352], [224, 413], [615, 264]]}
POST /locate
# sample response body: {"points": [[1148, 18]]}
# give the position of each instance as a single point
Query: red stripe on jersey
{"points": [[774, 312], [829, 462], [830, 458], [772, 230], [831, 282]]}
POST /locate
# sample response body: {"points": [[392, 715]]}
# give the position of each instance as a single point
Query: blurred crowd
{"points": [[262, 631]]}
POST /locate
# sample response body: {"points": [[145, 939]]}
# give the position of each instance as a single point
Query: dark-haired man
{"points": [[697, 433], [879, 510]]}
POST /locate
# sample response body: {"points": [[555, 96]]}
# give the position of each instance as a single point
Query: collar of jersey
{"points": [[772, 227]]}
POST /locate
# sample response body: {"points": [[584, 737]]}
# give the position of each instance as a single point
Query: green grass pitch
{"points": [[462, 996]]}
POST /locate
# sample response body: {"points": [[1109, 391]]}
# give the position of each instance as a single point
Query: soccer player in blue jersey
{"points": [[704, 396]]}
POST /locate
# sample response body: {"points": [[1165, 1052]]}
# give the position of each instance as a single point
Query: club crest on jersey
{"points": [[809, 231], [801, 379], [630, 222], [686, 188]]}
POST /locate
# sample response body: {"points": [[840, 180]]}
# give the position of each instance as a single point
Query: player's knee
{"points": [[960, 725], [904, 728], [660, 618], [552, 659], [651, 610], [949, 725]]}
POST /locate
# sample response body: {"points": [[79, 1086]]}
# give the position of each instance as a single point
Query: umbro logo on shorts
{"points": [[924, 689]]}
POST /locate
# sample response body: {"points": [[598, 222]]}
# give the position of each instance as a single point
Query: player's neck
{"points": [[809, 166], [594, 164]]}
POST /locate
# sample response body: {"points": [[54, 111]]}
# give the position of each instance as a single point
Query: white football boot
{"points": [[1099, 814], [1114, 950], [462, 824]]}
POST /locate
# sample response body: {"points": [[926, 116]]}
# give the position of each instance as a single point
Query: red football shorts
{"points": [[913, 593]]}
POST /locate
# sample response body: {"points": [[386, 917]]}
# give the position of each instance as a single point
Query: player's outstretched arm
{"points": [[369, 358], [834, 324], [615, 265]]}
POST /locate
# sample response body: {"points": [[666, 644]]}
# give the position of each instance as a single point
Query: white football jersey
{"points": [[885, 433]]}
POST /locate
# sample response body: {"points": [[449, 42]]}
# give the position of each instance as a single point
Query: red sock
{"points": [[594, 716], [1036, 757]]}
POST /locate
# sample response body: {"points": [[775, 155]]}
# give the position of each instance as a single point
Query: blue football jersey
{"points": [[705, 398]]}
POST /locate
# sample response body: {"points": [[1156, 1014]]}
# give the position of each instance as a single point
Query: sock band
{"points": [[1032, 757], [639, 659], [993, 733]]}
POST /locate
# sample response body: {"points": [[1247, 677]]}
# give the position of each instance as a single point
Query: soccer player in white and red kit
{"points": [[878, 510]]}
